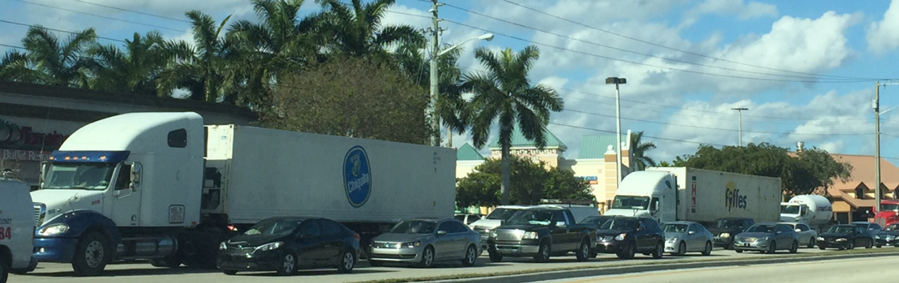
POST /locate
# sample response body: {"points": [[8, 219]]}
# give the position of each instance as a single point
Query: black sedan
{"points": [[844, 236], [626, 236], [284, 244], [889, 236]]}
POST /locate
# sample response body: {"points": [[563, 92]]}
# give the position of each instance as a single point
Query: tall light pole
{"points": [[740, 109], [435, 54], [617, 81], [876, 106]]}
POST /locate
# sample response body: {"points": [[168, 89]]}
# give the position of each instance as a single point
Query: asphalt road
{"points": [[826, 271], [143, 272]]}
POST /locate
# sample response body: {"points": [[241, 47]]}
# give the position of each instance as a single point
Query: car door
{"points": [[783, 236], [332, 241], [562, 237], [860, 236], [645, 239], [694, 238], [443, 244], [308, 243], [458, 232], [806, 234]]}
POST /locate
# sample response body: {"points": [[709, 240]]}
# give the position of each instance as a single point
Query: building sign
{"points": [[592, 180], [23, 155], [14, 135]]}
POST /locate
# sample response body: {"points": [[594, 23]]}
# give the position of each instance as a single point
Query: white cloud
{"points": [[884, 35], [738, 8]]}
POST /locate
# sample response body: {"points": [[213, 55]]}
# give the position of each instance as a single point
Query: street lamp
{"points": [[740, 109], [617, 81], [435, 120]]}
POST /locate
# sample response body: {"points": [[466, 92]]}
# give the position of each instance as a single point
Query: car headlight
{"points": [[876, 236], [820, 239], [223, 246], [54, 229], [841, 240], [620, 237], [888, 237], [269, 247], [529, 235], [765, 238], [410, 245], [672, 240], [724, 235]]}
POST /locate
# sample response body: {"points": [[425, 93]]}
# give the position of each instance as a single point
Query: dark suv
{"points": [[724, 229], [626, 236]]}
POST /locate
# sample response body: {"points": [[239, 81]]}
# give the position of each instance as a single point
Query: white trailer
{"points": [[690, 194]]}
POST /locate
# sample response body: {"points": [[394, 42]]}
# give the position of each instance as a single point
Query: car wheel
{"points": [[739, 251], [823, 248], [730, 245], [708, 249], [583, 252], [628, 251], [657, 253], [169, 261], [471, 255], [868, 246], [4, 272], [347, 261], [543, 253], [811, 243], [681, 248], [495, 256], [427, 257], [288, 264], [375, 263], [878, 246], [91, 255], [795, 247], [229, 272], [772, 247], [851, 245]]}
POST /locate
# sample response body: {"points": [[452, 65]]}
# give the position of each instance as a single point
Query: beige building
{"points": [[595, 163]]}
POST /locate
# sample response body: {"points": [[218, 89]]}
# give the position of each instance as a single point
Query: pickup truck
{"points": [[541, 232]]}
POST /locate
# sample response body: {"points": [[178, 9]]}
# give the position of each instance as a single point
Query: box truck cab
{"points": [[814, 210], [16, 228]]}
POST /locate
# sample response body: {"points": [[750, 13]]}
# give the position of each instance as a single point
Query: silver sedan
{"points": [[807, 236], [685, 236], [425, 241]]}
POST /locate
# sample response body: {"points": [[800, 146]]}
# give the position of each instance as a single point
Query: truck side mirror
{"points": [[136, 169]]}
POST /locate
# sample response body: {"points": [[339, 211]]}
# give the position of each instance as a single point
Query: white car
{"points": [[16, 228], [807, 236]]}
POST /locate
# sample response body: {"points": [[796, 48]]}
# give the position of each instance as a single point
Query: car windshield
{"points": [[675, 228], [761, 228], [620, 223], [789, 209], [841, 229], [892, 227], [274, 227], [630, 202], [501, 213], [414, 227], [599, 220], [531, 217], [78, 176], [727, 223]]}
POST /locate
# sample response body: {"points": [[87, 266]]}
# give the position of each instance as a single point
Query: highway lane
{"points": [[826, 271], [143, 272]]}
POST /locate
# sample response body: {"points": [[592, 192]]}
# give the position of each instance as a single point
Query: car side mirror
{"points": [[778, 232], [560, 225], [691, 232], [639, 229], [441, 232]]}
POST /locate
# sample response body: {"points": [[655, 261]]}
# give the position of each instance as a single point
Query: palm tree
{"points": [[14, 67], [638, 151], [451, 107], [504, 94], [200, 69], [357, 30], [136, 70], [59, 63]]}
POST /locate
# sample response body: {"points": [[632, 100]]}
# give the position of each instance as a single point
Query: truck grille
{"points": [[508, 235], [38, 215]]}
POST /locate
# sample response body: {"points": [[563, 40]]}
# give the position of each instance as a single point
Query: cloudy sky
{"points": [[805, 69]]}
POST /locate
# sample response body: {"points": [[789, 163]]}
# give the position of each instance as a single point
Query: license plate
{"points": [[506, 250]]}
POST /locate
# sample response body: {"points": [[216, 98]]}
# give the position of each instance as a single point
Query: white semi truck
{"points": [[689, 194], [814, 210], [164, 187]]}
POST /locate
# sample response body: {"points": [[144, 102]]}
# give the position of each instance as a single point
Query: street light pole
{"points": [[877, 146], [740, 109], [617, 81]]}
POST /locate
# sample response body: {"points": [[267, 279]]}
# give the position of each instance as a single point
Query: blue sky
{"points": [[805, 69]]}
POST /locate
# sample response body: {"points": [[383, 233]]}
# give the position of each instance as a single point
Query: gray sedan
{"points": [[767, 237], [425, 241], [685, 236]]}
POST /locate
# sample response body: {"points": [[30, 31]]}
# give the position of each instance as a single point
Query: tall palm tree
{"points": [[200, 69], [451, 107], [357, 30], [504, 94], [14, 67], [59, 63], [134, 70], [638, 151]]}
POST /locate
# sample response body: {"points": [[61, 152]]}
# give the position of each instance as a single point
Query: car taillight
{"points": [[356, 236], [232, 228]]}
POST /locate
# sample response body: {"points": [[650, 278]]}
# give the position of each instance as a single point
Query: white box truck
{"points": [[164, 187], [689, 194]]}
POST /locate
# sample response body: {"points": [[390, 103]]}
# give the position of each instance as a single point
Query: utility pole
{"points": [[435, 32], [740, 109], [876, 146]]}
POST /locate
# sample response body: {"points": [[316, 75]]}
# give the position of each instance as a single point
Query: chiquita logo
{"points": [[357, 176], [733, 198]]}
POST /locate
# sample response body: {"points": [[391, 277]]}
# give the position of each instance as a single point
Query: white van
{"points": [[16, 228]]}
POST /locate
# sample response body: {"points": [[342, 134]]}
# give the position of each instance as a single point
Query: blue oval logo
{"points": [[357, 176]]}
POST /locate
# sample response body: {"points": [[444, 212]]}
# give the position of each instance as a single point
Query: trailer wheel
{"points": [[91, 254]]}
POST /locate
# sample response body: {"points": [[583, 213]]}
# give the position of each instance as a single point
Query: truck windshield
{"points": [[892, 227], [789, 209], [414, 227], [629, 202], [78, 176], [501, 213], [531, 217], [889, 207]]}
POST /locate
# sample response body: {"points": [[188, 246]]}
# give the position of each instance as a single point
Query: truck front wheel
{"points": [[583, 252], [543, 253], [495, 256], [91, 255]]}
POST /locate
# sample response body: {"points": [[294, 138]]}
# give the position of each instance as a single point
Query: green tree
{"points": [[351, 96], [59, 63], [200, 69], [355, 28], [504, 94], [135, 70], [532, 182], [15, 67], [638, 151]]}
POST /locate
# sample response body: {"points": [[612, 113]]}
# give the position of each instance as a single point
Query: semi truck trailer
{"points": [[166, 188]]}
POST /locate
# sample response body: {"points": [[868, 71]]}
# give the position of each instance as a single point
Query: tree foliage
{"points": [[638, 151], [531, 182], [801, 174]]}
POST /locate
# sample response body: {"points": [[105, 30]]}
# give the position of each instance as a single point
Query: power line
{"points": [[644, 54], [12, 46], [58, 30], [99, 16], [134, 11], [676, 49]]}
